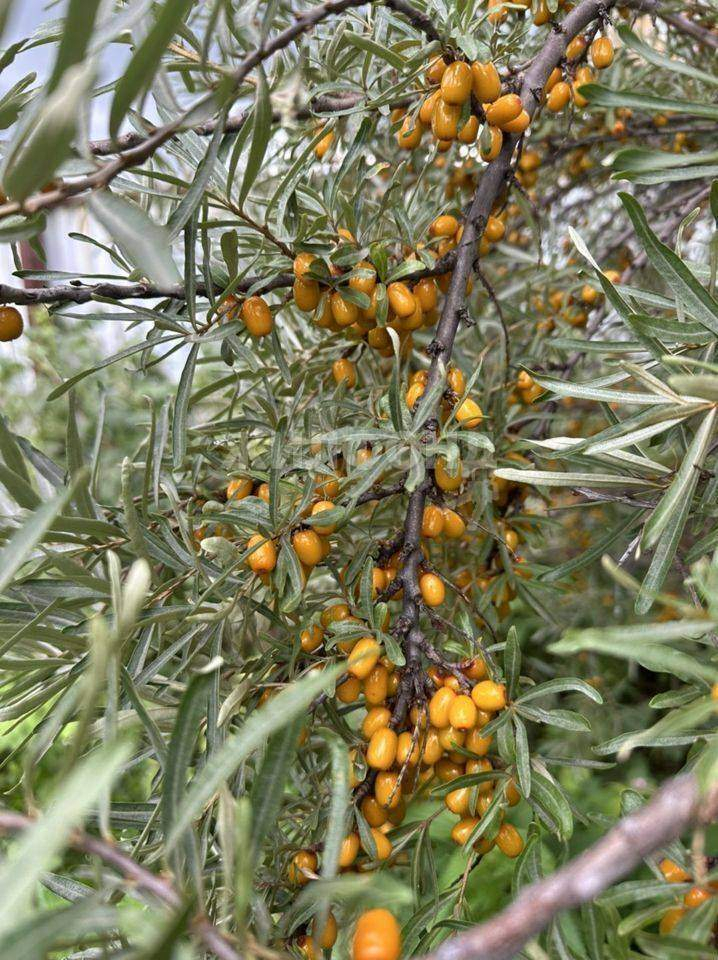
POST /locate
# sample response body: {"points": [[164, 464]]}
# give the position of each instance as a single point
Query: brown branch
{"points": [[489, 189], [79, 292], [138, 876], [684, 25], [673, 809]]}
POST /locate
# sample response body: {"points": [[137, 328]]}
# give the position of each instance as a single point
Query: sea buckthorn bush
{"points": [[370, 575]]}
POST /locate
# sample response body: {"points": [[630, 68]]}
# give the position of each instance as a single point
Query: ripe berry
{"points": [[432, 589], [257, 317], [11, 324], [470, 130], [509, 840], [363, 284], [386, 790], [302, 263], [439, 707], [432, 523], [401, 299], [672, 872], [445, 120], [601, 53], [444, 226], [327, 936], [406, 750], [444, 480], [504, 110], [374, 814], [490, 146], [239, 488], [303, 860], [410, 133], [456, 83], [381, 752], [344, 371], [469, 414], [322, 147], [462, 712], [321, 507], [436, 70], [670, 919], [311, 638], [363, 657], [306, 294], [518, 124], [348, 850], [348, 691], [263, 558], [486, 83], [308, 547], [695, 897], [382, 844], [425, 293], [344, 312], [559, 97], [488, 695], [376, 718], [377, 937], [454, 526]]}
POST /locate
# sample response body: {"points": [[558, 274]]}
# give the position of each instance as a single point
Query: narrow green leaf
{"points": [[259, 726], [27, 537], [261, 135], [143, 242], [699, 303], [143, 65], [268, 787]]}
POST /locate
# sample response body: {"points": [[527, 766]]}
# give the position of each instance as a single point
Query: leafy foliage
{"points": [[174, 662]]}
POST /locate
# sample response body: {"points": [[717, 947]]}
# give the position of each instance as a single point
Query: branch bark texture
{"points": [[674, 808]]}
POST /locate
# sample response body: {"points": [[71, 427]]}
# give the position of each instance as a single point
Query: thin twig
{"points": [[142, 879]]}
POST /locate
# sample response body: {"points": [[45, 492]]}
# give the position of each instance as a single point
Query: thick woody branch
{"points": [[677, 806], [213, 940], [489, 189]]}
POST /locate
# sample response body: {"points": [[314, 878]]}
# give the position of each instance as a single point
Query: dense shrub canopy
{"points": [[358, 519]]}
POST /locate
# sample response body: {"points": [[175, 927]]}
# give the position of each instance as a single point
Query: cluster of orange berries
{"points": [[674, 873], [447, 110], [11, 324], [439, 741]]}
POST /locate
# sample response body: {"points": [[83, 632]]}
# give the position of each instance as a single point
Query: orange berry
{"points": [[381, 752], [377, 937], [432, 589], [363, 657], [456, 82], [344, 371], [440, 707], [263, 558], [601, 53], [486, 83], [11, 324], [257, 317], [509, 840], [488, 695]]}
